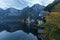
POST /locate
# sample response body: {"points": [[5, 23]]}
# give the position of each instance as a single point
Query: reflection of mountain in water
{"points": [[18, 35], [11, 19]]}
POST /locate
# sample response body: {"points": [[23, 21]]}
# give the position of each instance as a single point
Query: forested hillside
{"points": [[54, 17], [55, 6], [52, 25]]}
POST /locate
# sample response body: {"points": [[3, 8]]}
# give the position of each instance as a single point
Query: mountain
{"points": [[37, 7], [12, 14], [1, 12], [12, 11], [24, 13], [55, 6], [54, 13], [33, 11], [12, 18]]}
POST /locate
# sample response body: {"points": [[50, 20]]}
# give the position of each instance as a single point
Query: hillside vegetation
{"points": [[55, 6], [52, 26], [54, 17]]}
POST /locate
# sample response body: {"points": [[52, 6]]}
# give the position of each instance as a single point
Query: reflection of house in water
{"points": [[40, 19], [40, 32]]}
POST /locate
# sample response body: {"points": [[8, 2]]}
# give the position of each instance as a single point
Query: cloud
{"points": [[20, 4], [18, 35], [41, 2], [46, 2]]}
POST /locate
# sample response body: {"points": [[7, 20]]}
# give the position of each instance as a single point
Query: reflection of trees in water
{"points": [[14, 26]]}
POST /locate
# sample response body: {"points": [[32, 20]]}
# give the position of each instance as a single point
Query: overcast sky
{"points": [[20, 4]]}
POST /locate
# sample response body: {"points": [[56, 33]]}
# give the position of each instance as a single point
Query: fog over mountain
{"points": [[20, 4]]}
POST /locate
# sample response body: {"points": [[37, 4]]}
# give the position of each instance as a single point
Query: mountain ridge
{"points": [[14, 11], [55, 6]]}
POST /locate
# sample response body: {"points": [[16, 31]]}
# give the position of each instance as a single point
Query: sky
{"points": [[20, 4]]}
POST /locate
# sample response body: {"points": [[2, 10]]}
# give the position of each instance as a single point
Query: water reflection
{"points": [[18, 35]]}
